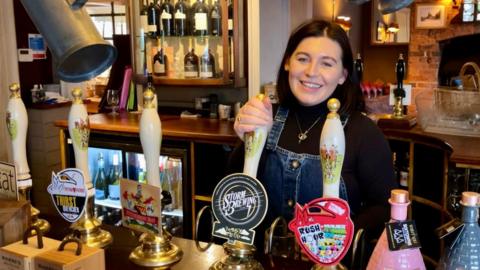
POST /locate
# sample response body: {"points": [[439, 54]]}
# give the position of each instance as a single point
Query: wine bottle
{"points": [[216, 19], [207, 64], [160, 63], [463, 252], [358, 69], [406, 258], [230, 17], [114, 177], [166, 18], [144, 16], [191, 64], [152, 18], [180, 18], [200, 21], [100, 180]]}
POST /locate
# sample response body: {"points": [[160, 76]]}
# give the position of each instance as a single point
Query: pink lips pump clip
{"points": [[323, 227]]}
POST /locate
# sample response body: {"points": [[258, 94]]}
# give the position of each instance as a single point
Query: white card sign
{"points": [[8, 181]]}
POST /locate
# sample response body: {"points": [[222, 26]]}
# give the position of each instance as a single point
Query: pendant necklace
{"points": [[303, 135]]}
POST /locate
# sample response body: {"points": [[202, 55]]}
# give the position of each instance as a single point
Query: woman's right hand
{"points": [[254, 114]]}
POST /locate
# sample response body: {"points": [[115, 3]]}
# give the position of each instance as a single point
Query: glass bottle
{"points": [[216, 19], [152, 17], [382, 257], [207, 64], [100, 180], [114, 177], [180, 18], [464, 252], [358, 68], [160, 65], [144, 16], [230, 17], [166, 18], [191, 64], [200, 21]]}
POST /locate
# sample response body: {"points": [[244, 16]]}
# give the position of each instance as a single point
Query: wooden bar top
{"points": [[173, 127], [466, 150]]}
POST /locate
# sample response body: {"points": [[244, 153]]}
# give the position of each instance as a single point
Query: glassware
{"points": [[112, 100], [463, 253]]}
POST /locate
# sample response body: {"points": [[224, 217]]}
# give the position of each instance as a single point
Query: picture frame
{"points": [[430, 16]]}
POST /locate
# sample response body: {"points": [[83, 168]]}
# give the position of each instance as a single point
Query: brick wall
{"points": [[424, 51]]}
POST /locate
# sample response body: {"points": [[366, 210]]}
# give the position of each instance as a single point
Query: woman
{"points": [[317, 65]]}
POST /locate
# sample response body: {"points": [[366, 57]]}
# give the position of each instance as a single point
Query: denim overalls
{"points": [[289, 177]]}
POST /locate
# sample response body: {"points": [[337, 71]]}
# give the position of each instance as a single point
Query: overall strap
{"points": [[277, 127]]}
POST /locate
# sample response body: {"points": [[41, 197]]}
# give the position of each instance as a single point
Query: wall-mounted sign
{"points": [[141, 206], [69, 194], [8, 181], [239, 203], [37, 44]]}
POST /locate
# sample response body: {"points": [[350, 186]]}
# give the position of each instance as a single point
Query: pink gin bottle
{"points": [[382, 257]]}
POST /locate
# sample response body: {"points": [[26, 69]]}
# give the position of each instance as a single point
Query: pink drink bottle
{"points": [[382, 257]]}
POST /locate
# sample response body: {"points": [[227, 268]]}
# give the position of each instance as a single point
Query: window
{"points": [[109, 19]]}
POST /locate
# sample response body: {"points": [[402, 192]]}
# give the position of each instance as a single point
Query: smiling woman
{"points": [[316, 66]]}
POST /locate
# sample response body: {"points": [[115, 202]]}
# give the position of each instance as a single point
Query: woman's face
{"points": [[315, 69]]}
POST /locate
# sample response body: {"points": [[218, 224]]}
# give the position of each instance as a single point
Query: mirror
{"points": [[393, 28]]}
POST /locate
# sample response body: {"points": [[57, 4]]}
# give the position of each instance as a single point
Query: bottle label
{"points": [[158, 67], [230, 24], [200, 21], [165, 15], [180, 15], [207, 73], [402, 235], [99, 194], [114, 192], [191, 71], [152, 28]]}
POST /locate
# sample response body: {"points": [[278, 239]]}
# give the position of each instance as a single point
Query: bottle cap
{"points": [[399, 196], [469, 198]]}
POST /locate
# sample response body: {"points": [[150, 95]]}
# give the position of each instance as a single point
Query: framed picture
{"points": [[430, 16]]}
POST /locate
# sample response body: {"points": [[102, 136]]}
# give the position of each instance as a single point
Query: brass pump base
{"points": [[90, 232], [156, 251], [42, 224], [331, 267], [239, 257]]}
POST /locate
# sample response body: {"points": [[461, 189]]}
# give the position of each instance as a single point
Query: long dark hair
{"points": [[349, 93]]}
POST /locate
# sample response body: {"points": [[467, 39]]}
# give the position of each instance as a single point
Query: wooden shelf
{"points": [[139, 78]]}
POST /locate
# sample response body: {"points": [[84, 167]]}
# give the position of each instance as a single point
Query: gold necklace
{"points": [[302, 136]]}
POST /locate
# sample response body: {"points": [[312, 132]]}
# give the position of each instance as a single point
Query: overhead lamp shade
{"points": [[389, 6], [358, 2], [80, 52]]}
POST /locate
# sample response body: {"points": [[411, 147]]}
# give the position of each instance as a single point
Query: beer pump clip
{"points": [[239, 204], [323, 227]]}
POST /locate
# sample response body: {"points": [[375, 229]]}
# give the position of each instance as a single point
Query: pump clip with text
{"points": [[323, 229]]}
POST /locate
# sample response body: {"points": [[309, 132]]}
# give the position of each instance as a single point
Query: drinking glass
{"points": [[112, 100]]}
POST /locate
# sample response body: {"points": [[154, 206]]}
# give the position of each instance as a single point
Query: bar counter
{"points": [[466, 150], [173, 127], [125, 240]]}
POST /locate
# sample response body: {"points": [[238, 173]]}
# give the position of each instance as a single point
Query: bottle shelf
{"points": [[116, 204], [139, 78]]}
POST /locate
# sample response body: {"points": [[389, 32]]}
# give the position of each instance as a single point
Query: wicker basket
{"points": [[449, 111]]}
